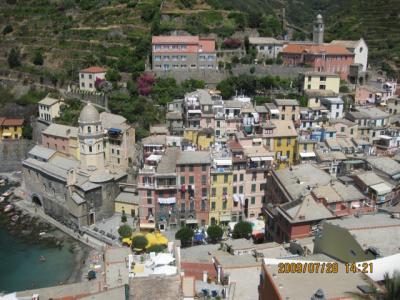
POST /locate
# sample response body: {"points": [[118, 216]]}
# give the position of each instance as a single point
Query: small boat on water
{"points": [[2, 182], [8, 208], [14, 218], [42, 258], [42, 233], [7, 193], [2, 199]]}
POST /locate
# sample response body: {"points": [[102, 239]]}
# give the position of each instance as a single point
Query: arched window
{"points": [[89, 129], [90, 148]]}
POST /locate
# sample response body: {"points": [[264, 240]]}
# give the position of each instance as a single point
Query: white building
{"points": [[87, 78], [358, 48], [335, 107], [267, 47], [49, 108]]}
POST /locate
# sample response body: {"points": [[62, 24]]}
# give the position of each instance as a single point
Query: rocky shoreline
{"points": [[34, 230]]}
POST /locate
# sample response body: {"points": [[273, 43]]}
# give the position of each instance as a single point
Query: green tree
{"points": [[214, 233], [246, 43], [123, 217], [185, 235], [125, 231], [140, 243], [27, 131], [242, 229], [38, 58], [113, 75], [226, 88], [13, 58]]}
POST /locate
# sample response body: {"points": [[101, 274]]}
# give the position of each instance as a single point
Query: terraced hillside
{"points": [[72, 34]]}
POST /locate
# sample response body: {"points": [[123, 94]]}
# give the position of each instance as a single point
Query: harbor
{"points": [[35, 248]]}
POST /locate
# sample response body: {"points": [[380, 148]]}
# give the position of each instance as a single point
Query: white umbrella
{"points": [[165, 270], [163, 259]]}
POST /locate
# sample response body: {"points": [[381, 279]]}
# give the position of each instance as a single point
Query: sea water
{"points": [[21, 268]]}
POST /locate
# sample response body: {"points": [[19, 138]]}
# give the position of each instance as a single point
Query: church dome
{"points": [[319, 17], [89, 114]]}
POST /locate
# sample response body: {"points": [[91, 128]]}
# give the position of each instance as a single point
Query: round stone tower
{"points": [[90, 135], [318, 30]]}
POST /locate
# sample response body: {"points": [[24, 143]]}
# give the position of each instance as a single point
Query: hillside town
{"points": [[296, 197]]}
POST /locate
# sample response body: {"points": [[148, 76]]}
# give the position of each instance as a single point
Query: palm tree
{"points": [[390, 290]]}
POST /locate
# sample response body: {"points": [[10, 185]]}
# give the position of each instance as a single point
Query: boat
{"points": [[7, 193], [42, 258], [2, 199], [8, 208], [14, 218], [2, 182], [42, 233]]}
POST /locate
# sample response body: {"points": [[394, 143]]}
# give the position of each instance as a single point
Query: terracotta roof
{"points": [[196, 269], [207, 45], [316, 49], [175, 39], [94, 70], [13, 122], [234, 145]]}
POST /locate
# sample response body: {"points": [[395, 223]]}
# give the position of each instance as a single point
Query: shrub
{"points": [[125, 231], [123, 217], [156, 248], [231, 44], [185, 235], [7, 29], [113, 75], [13, 58], [252, 69], [38, 58], [214, 233], [139, 242], [242, 229]]}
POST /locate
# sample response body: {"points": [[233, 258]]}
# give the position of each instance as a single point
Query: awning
{"points": [[154, 157], [267, 158], [147, 225], [258, 140], [381, 188], [225, 218], [194, 111], [307, 154], [236, 198], [7, 134], [354, 161], [355, 205], [396, 176], [274, 111], [385, 137], [255, 158], [114, 130], [169, 200], [223, 162], [191, 221]]}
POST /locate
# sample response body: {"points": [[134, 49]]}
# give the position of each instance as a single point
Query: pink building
{"points": [[60, 137], [322, 58], [179, 52]]}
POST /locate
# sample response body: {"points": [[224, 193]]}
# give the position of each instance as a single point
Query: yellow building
{"points": [[11, 129], [305, 150], [203, 138], [284, 142], [221, 196], [127, 201], [321, 81]]}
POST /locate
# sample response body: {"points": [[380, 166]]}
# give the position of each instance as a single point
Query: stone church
{"points": [[77, 192]]}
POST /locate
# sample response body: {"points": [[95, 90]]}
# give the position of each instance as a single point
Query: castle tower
{"points": [[318, 30], [90, 135]]}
